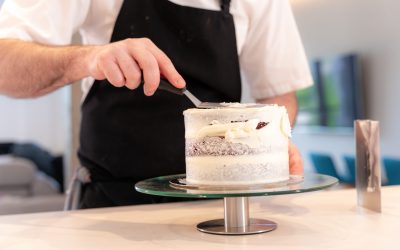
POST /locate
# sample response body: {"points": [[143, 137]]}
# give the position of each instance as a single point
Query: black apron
{"points": [[126, 136]]}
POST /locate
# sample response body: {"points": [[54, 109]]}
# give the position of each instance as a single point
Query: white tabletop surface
{"points": [[318, 220]]}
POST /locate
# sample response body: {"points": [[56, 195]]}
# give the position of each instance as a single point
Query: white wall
{"points": [[370, 28], [42, 120]]}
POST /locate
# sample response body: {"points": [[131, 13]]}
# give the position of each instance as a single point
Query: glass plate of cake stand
{"points": [[236, 220]]}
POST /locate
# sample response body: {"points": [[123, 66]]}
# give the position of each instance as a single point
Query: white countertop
{"points": [[318, 220]]}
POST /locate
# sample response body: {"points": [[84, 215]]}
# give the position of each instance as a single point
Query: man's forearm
{"points": [[288, 100], [28, 69]]}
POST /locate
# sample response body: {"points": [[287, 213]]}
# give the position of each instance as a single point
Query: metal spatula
{"points": [[165, 85]]}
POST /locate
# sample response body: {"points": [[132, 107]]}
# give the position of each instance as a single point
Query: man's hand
{"points": [[123, 62], [295, 161]]}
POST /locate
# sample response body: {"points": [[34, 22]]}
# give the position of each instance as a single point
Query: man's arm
{"points": [[28, 69], [289, 100]]}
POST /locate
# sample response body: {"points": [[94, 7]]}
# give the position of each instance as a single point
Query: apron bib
{"points": [[126, 136]]}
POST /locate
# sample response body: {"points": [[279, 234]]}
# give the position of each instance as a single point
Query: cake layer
{"points": [[216, 146], [237, 170]]}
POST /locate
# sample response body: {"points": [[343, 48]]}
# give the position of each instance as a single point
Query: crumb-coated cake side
{"points": [[240, 144]]}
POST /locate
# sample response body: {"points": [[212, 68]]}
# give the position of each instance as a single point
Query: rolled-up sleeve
{"points": [[50, 22], [273, 60]]}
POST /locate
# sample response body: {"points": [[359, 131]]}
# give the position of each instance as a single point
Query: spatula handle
{"points": [[166, 86]]}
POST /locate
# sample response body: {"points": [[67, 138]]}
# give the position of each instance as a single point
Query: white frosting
{"points": [[237, 104], [285, 126], [236, 132], [199, 118]]}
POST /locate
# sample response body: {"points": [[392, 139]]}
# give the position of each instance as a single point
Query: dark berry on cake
{"points": [[260, 125]]}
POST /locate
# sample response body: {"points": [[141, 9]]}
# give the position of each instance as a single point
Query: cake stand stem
{"points": [[237, 220], [236, 212]]}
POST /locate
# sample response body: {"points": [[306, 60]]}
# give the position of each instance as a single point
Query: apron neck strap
{"points": [[225, 4]]}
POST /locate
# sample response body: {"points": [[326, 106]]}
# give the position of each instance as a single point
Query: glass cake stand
{"points": [[236, 204]]}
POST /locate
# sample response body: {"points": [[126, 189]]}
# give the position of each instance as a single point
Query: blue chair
{"points": [[351, 169], [323, 164], [392, 169]]}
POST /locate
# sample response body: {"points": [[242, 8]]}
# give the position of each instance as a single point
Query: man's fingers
{"points": [[130, 69], [122, 62], [296, 166], [167, 69], [149, 66], [112, 72], [295, 161]]}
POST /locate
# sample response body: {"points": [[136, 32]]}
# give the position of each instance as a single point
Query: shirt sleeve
{"points": [[273, 60], [50, 22]]}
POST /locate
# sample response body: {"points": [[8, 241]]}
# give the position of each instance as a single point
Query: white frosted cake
{"points": [[239, 144]]}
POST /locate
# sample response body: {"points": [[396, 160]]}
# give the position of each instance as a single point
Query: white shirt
{"points": [[271, 55]]}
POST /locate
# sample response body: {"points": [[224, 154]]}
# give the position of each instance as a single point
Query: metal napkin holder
{"points": [[368, 170]]}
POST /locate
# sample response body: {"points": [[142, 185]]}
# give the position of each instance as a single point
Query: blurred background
{"points": [[354, 52], [353, 48]]}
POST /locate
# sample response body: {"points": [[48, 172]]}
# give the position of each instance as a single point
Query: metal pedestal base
{"points": [[236, 220], [218, 227]]}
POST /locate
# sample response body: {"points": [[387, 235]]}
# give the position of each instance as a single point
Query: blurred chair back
{"points": [[323, 164], [350, 177], [392, 169]]}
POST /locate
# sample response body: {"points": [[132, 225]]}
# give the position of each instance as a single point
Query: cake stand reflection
{"points": [[236, 219]]}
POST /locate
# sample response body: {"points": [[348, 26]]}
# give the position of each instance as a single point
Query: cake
{"points": [[238, 144]]}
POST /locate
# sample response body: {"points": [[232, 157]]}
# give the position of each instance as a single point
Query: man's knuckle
{"points": [[147, 63], [127, 41], [146, 41], [165, 61]]}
